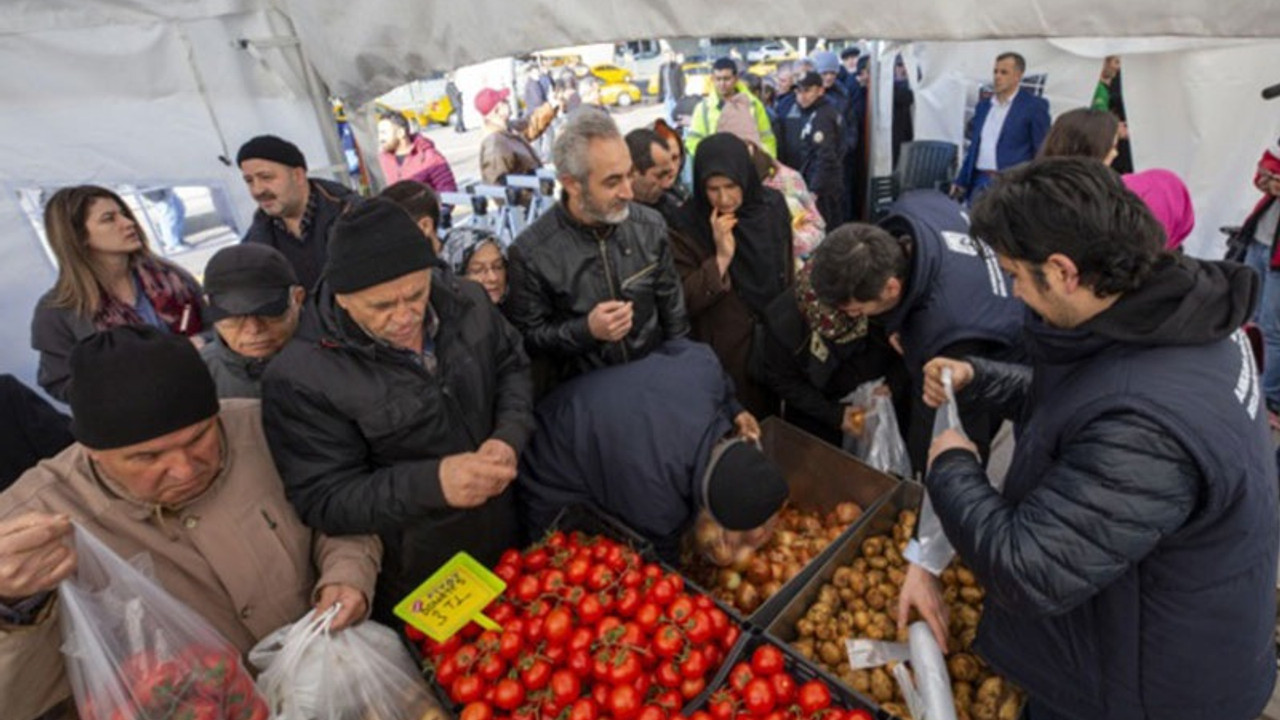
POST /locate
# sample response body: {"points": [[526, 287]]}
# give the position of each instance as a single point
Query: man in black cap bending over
{"points": [[651, 442], [405, 414], [161, 467], [294, 212], [255, 301]]}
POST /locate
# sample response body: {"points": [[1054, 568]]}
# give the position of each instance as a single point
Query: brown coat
{"points": [[237, 555]]}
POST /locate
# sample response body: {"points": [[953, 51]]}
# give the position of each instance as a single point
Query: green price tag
{"points": [[453, 596]]}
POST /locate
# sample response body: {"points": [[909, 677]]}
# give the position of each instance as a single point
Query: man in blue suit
{"points": [[1008, 128]]}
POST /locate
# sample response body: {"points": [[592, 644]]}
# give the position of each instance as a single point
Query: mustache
{"points": [[264, 196]]}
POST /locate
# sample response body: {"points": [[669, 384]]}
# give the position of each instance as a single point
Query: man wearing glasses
{"points": [[254, 300]]}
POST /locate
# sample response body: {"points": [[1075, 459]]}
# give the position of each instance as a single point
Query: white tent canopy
{"points": [[159, 91]]}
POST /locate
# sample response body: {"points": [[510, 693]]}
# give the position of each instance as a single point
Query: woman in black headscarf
{"points": [[732, 249]]}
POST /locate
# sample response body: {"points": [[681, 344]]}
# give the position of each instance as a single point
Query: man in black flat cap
{"points": [[294, 212], [405, 414], [254, 300]]}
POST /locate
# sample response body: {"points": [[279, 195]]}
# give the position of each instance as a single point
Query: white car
{"points": [[770, 51]]}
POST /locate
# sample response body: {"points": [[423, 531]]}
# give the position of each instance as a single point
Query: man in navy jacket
{"points": [[1008, 128]]}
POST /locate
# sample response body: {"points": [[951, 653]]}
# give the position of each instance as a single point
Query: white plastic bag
{"points": [[880, 445], [930, 548], [927, 686], [359, 673], [134, 651]]}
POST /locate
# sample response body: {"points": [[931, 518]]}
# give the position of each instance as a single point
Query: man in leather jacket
{"points": [[592, 280], [1130, 559]]}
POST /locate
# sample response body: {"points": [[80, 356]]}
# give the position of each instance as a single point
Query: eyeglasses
{"points": [[495, 268], [237, 322]]}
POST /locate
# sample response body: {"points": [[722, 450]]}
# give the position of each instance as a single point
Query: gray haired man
{"points": [[592, 280]]}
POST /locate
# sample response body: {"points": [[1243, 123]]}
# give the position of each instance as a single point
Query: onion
{"points": [[730, 579], [742, 558]]}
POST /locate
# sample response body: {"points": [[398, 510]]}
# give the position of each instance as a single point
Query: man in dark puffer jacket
{"points": [[1130, 562]]}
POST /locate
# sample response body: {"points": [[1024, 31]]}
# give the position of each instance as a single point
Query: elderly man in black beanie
{"points": [[161, 468], [294, 213], [405, 414], [651, 442]]}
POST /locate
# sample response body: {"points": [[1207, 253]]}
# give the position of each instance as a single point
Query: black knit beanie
{"points": [[374, 242], [744, 488], [270, 147], [131, 384]]}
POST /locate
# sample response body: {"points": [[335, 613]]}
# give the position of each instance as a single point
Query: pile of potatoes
{"points": [[861, 601], [744, 577]]}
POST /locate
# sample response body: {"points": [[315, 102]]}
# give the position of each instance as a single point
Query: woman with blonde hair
{"points": [[107, 277]]}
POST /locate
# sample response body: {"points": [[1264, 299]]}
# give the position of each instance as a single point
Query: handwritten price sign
{"points": [[453, 596]]}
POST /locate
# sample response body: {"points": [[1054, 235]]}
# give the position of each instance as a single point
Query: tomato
{"points": [[680, 608], [652, 712], [719, 620], [698, 627], [662, 592], [600, 694], [537, 675], [739, 676], [501, 612], [414, 633], [766, 660], [668, 676], [584, 709], [466, 689], [476, 711], [632, 635], [553, 581], [609, 629], [508, 694], [651, 571], [616, 559], [668, 642], [491, 667], [557, 626], [466, 656], [556, 540], [632, 578], [702, 602], [601, 550], [642, 683], [565, 687], [510, 644], [589, 609], [535, 560], [690, 688], [784, 688], [625, 668], [647, 616], [700, 715], [758, 697], [579, 662], [575, 573], [729, 637], [198, 709], [628, 602], [446, 672], [580, 639], [814, 696], [508, 573], [624, 702], [511, 557], [600, 577], [721, 706], [527, 588], [677, 582], [535, 629], [858, 714], [555, 654], [694, 666]]}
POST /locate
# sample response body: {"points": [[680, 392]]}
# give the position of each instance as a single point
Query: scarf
{"points": [[173, 294], [825, 322]]}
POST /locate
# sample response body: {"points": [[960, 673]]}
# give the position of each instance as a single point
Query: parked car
{"points": [[622, 94], [609, 74], [697, 78], [771, 51]]}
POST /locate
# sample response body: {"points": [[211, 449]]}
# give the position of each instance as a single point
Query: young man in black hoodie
{"points": [[1130, 560]]}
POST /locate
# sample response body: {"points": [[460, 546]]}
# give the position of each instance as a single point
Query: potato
{"points": [[896, 709], [1010, 708], [882, 685], [860, 681], [962, 666], [805, 647], [991, 689], [831, 653]]}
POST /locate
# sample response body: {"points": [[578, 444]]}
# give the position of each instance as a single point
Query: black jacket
{"points": [[358, 430], [1130, 561], [30, 430], [561, 269], [307, 254], [811, 374], [813, 142]]}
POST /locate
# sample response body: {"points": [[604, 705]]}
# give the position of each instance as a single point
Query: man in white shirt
{"points": [[1008, 129]]}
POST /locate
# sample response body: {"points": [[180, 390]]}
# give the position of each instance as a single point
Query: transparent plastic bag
{"points": [[362, 672], [723, 547], [927, 685], [134, 651], [880, 444], [930, 548]]}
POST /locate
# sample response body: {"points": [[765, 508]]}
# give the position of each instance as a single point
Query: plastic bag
{"points": [[723, 547], [880, 444], [927, 686], [134, 651], [359, 673], [930, 548]]}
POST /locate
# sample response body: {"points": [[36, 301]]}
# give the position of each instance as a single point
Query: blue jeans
{"points": [[1267, 318]]}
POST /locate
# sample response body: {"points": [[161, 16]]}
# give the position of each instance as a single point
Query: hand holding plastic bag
{"points": [[879, 444], [927, 686], [134, 651], [360, 673]]}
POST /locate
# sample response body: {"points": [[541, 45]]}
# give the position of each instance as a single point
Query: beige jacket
{"points": [[238, 555]]}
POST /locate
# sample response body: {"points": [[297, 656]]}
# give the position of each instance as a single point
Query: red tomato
{"points": [[624, 702], [651, 571], [695, 666], [690, 688], [814, 696], [632, 634], [584, 709], [600, 694], [700, 715], [537, 675], [581, 639], [508, 694], [565, 687], [729, 637], [647, 616], [758, 697], [589, 609], [642, 683], [600, 577], [721, 706], [662, 592], [680, 609], [628, 602], [511, 557], [446, 672], [609, 629], [491, 667], [508, 573], [500, 612], [476, 711], [632, 578], [670, 699], [557, 626], [580, 663], [698, 627], [766, 660], [625, 668], [414, 633], [858, 714], [527, 588], [553, 581], [510, 644], [702, 602], [651, 712], [677, 582], [719, 620], [739, 676], [555, 654], [575, 573], [668, 642], [616, 559], [784, 688], [199, 709], [536, 559], [668, 676], [556, 540], [466, 689]]}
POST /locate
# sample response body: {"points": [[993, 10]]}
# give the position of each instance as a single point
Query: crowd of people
{"points": [[353, 396]]}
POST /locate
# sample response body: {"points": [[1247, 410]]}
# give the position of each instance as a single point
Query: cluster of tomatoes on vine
{"points": [[761, 688], [590, 630]]}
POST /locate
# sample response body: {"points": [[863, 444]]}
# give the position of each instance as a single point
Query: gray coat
{"points": [[235, 375]]}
